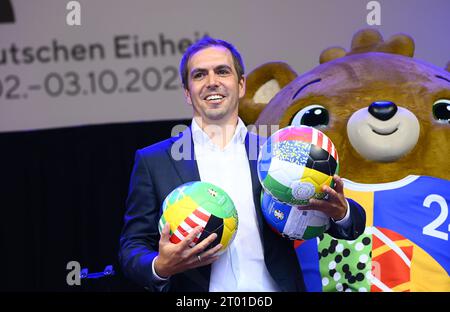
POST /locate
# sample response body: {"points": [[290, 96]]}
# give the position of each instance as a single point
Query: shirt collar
{"points": [[200, 137]]}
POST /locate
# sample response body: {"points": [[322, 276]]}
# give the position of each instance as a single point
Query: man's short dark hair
{"points": [[204, 43]]}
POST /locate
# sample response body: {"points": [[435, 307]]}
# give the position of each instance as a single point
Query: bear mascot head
{"points": [[388, 115], [386, 112]]}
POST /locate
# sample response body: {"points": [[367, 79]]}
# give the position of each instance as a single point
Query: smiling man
{"points": [[213, 87], [212, 73]]}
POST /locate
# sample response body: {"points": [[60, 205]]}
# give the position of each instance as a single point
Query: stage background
{"points": [[77, 101]]}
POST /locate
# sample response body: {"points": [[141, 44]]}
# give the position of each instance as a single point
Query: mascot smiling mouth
{"points": [[383, 132]]}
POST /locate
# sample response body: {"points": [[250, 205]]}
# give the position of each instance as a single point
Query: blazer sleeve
{"points": [[140, 236], [356, 227]]}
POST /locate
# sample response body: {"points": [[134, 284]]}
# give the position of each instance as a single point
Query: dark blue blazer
{"points": [[155, 174]]}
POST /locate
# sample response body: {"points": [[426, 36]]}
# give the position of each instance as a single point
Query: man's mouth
{"points": [[214, 98]]}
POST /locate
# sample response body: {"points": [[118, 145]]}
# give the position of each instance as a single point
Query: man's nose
{"points": [[212, 80]]}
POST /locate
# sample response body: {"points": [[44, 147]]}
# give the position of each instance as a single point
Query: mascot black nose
{"points": [[382, 110]]}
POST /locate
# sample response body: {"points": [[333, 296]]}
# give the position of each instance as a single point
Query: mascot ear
{"points": [[366, 40], [261, 86], [331, 54], [448, 66], [370, 40], [400, 44]]}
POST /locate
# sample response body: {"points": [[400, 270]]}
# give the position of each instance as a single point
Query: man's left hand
{"points": [[336, 204]]}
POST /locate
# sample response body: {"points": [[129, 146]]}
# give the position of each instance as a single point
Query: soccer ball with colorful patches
{"points": [[291, 222], [295, 162], [200, 203]]}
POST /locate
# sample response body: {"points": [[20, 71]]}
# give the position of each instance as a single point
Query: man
{"points": [[212, 73]]}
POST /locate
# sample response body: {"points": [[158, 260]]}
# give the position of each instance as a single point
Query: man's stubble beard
{"points": [[215, 114], [219, 112]]}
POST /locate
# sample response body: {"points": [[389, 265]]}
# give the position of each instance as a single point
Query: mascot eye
{"points": [[441, 110], [312, 115]]}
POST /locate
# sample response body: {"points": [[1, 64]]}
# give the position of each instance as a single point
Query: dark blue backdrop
{"points": [[62, 198]]}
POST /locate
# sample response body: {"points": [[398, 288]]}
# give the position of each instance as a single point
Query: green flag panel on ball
{"points": [[295, 162]]}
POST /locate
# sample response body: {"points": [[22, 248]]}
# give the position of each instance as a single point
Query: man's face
{"points": [[214, 88]]}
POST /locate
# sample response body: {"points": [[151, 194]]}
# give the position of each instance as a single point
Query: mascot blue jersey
{"points": [[405, 246]]}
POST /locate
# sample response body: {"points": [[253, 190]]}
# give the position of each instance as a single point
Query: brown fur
{"points": [[249, 110]]}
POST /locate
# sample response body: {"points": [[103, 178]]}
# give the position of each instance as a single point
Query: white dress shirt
{"points": [[241, 267]]}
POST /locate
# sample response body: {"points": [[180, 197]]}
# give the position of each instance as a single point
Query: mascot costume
{"points": [[388, 115]]}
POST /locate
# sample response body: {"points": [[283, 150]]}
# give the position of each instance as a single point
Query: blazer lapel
{"points": [[181, 153], [184, 160], [252, 148]]}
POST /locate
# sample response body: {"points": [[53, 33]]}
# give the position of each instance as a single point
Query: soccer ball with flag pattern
{"points": [[200, 203], [295, 162]]}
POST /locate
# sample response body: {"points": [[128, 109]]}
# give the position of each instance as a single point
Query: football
{"points": [[292, 222], [200, 203], [295, 162]]}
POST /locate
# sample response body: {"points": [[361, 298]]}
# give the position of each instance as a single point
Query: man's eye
{"points": [[223, 72], [197, 75]]}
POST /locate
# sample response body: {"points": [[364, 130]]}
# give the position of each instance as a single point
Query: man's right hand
{"points": [[176, 258]]}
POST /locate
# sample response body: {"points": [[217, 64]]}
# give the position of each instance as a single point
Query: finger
{"points": [[318, 204], [303, 207], [165, 233], [210, 260], [339, 184], [331, 192], [211, 252], [186, 242], [203, 244]]}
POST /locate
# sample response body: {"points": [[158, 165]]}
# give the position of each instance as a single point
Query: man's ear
{"points": [[242, 87], [261, 86], [187, 96], [448, 66]]}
